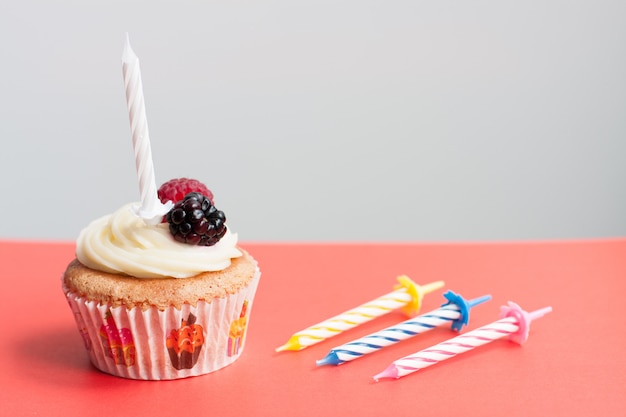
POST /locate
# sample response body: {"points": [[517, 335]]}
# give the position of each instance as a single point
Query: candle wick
{"points": [[127, 53]]}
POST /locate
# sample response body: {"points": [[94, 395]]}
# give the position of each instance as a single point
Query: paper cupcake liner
{"points": [[174, 343]]}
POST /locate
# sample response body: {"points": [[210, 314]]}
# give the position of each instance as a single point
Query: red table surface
{"points": [[573, 363]]}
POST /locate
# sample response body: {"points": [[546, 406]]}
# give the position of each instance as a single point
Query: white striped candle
{"points": [[151, 209]]}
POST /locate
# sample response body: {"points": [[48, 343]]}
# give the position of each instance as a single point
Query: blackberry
{"points": [[195, 220]]}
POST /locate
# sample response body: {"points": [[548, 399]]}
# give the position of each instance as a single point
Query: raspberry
{"points": [[196, 221], [176, 189]]}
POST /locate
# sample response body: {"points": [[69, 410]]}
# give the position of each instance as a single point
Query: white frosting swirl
{"points": [[122, 243]]}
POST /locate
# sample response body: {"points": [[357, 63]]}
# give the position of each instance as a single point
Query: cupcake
{"points": [[162, 301]]}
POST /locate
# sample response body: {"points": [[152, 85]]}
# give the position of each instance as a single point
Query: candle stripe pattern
{"points": [[354, 317], [368, 344], [349, 319], [453, 347], [151, 208], [516, 320], [449, 313]]}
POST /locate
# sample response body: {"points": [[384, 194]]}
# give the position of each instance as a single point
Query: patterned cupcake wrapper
{"points": [[158, 345]]}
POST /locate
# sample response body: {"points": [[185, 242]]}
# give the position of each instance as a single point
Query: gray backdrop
{"points": [[323, 120]]}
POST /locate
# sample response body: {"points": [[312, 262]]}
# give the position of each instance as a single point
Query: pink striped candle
{"points": [[514, 323]]}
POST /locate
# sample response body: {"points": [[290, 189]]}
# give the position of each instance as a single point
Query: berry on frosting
{"points": [[176, 189], [195, 220]]}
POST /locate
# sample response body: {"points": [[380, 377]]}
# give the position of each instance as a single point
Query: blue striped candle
{"points": [[455, 311]]}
